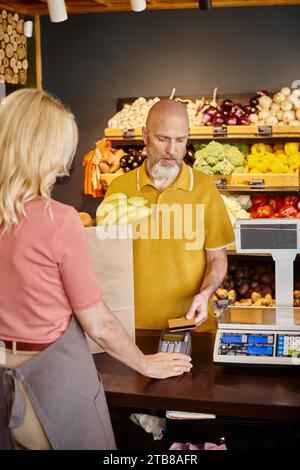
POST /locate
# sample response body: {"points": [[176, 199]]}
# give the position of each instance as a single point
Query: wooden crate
{"points": [[270, 180]]}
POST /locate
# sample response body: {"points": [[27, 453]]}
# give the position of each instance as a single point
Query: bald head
{"points": [[167, 110], [165, 135]]}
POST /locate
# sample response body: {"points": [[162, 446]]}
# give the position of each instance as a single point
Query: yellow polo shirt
{"points": [[189, 217]]}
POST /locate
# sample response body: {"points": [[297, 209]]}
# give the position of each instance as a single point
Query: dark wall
{"points": [[91, 60]]}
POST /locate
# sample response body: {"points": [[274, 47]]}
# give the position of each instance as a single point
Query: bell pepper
{"points": [[264, 212], [258, 149], [291, 147], [298, 215], [288, 212], [276, 215], [276, 202], [260, 200], [290, 201]]}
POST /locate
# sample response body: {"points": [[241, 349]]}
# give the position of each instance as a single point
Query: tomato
{"points": [[276, 215], [298, 215], [288, 211], [253, 215], [264, 212]]}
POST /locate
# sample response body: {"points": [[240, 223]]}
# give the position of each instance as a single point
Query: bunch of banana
{"points": [[118, 209]]}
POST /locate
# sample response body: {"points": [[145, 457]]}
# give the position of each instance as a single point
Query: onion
{"points": [[271, 121], [248, 109], [295, 123], [244, 121], [292, 98], [218, 121], [238, 111], [297, 104], [227, 104], [279, 115], [253, 118], [286, 105], [288, 116], [254, 101], [285, 91], [298, 113], [211, 111], [260, 93], [264, 114], [275, 107], [296, 92], [231, 121], [278, 97], [206, 118], [265, 101]]}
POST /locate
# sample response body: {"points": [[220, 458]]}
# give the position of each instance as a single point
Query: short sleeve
{"points": [[218, 228], [72, 255]]}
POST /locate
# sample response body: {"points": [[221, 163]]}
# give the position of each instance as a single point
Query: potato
{"points": [[222, 293], [232, 294], [258, 303], [255, 296], [297, 294]]}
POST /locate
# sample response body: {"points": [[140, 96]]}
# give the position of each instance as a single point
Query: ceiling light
{"points": [[57, 10], [138, 5]]}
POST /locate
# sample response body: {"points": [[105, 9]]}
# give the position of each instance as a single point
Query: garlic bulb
{"points": [[278, 97], [286, 105]]}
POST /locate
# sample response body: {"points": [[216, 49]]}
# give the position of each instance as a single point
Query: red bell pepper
{"points": [[288, 211], [276, 215], [290, 200], [260, 200], [264, 212], [298, 215], [276, 202]]}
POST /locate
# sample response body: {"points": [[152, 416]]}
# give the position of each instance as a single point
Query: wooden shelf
{"points": [[209, 132]]}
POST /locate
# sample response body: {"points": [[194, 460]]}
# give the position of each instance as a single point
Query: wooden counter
{"points": [[245, 392]]}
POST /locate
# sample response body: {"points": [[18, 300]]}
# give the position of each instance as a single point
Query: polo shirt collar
{"points": [[185, 179]]}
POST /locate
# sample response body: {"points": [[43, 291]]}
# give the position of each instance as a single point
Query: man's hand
{"points": [[163, 364], [198, 309]]}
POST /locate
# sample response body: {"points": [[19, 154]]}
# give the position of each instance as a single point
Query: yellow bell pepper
{"points": [[291, 147], [258, 149], [294, 161]]}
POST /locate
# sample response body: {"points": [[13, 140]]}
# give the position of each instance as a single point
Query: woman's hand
{"points": [[165, 364]]}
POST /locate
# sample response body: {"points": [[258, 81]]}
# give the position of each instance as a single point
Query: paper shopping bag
{"points": [[112, 256]]}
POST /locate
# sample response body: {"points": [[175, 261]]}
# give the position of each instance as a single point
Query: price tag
{"points": [[220, 131], [221, 183], [222, 304], [128, 133], [265, 131], [258, 183]]}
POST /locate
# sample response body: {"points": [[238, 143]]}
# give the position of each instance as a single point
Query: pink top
{"points": [[45, 273]]}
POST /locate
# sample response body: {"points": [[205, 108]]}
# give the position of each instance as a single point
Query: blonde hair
{"points": [[38, 140]]}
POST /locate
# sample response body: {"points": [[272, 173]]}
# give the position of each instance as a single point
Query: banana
{"points": [[112, 217], [131, 212], [137, 201], [106, 207], [119, 196], [141, 213]]}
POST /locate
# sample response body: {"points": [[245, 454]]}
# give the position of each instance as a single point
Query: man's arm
{"points": [[107, 331], [216, 268]]}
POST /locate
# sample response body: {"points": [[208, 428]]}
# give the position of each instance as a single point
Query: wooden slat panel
{"points": [[39, 7]]}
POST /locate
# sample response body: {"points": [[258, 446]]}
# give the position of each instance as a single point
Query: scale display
{"points": [[269, 237], [257, 347]]}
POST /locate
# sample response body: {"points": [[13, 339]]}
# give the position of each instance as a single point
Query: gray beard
{"points": [[160, 172]]}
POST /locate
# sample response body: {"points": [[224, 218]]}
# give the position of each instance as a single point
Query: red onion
{"points": [[238, 111], [206, 118], [231, 121], [227, 104], [248, 109], [260, 93], [218, 121], [254, 101], [211, 111], [244, 121]]}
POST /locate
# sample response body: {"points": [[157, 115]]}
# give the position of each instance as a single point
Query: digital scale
{"points": [[264, 335]]}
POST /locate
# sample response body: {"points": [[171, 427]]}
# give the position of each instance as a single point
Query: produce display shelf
{"points": [[209, 132], [246, 182]]}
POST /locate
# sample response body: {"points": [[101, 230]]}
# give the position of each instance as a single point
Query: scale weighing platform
{"points": [[264, 335]]}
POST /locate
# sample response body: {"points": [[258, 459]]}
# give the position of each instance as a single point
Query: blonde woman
{"points": [[46, 277]]}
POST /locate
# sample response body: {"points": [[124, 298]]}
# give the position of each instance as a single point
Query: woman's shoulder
{"points": [[50, 210]]}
